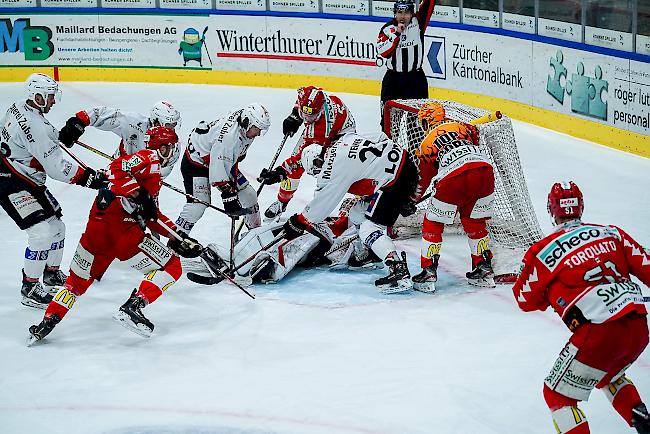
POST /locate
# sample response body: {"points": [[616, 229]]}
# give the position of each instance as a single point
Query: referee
{"points": [[401, 42]]}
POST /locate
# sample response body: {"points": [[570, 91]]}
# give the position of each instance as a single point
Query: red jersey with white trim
{"points": [[130, 173], [335, 120], [354, 164], [584, 266]]}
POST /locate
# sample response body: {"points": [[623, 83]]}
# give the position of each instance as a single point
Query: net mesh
{"points": [[514, 226]]}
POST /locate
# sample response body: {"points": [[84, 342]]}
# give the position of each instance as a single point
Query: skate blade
{"points": [[371, 266], [126, 322], [31, 303], [428, 287], [483, 283], [31, 340], [402, 286]]}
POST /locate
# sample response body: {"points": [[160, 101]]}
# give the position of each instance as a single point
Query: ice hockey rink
{"points": [[322, 351]]}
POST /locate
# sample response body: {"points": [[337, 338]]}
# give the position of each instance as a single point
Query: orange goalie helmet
{"points": [[431, 114]]}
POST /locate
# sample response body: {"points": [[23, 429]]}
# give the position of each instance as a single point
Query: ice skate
{"points": [[53, 280], [399, 278], [130, 316], [275, 210], [38, 332], [482, 274], [426, 280], [365, 259], [641, 419], [34, 295]]}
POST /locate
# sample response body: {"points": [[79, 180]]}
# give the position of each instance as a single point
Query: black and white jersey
{"points": [[405, 51]]}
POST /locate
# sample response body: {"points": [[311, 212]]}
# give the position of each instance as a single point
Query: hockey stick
{"points": [[206, 280], [74, 157], [259, 189], [166, 184], [207, 51], [208, 261], [233, 222]]}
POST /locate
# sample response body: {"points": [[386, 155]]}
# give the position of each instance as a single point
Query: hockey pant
{"points": [[597, 355], [470, 194], [109, 235], [35, 210], [383, 209], [196, 182]]}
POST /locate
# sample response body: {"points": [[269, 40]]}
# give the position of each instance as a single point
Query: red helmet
{"points": [[311, 100], [565, 200], [159, 137]]}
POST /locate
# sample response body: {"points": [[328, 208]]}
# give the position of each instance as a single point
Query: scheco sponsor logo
{"points": [[566, 244]]}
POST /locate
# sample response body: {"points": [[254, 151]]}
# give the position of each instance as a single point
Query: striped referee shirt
{"points": [[405, 51]]}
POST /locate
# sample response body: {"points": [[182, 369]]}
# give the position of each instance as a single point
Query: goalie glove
{"points": [[291, 124], [272, 176], [71, 131], [294, 227], [187, 248]]}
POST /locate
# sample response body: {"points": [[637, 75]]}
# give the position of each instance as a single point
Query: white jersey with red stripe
{"points": [[31, 145], [356, 164], [587, 267], [219, 145], [130, 127]]}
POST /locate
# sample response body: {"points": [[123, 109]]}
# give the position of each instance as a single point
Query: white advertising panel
{"points": [[295, 46], [294, 5], [239, 5], [17, 3], [643, 44], [480, 17], [186, 4], [518, 23], [608, 38], [383, 9], [349, 7], [447, 14], [479, 63], [591, 86], [69, 3], [559, 29], [127, 3]]}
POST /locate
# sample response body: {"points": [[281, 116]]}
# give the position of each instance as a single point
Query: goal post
{"points": [[514, 226]]}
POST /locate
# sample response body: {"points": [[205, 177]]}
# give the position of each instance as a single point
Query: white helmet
{"points": [[311, 159], [44, 85], [165, 114], [255, 114]]}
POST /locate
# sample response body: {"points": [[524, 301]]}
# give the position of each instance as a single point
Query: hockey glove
{"points": [[293, 228], [92, 179], [104, 198], [272, 176], [71, 131], [147, 208], [187, 248], [291, 124], [231, 204], [408, 208]]}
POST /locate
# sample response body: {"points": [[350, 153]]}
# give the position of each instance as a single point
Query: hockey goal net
{"points": [[514, 226]]}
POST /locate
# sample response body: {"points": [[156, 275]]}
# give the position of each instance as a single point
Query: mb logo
{"points": [[34, 41]]}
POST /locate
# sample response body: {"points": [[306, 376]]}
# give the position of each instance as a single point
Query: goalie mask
{"points": [[254, 115], [312, 159], [311, 101], [43, 85], [565, 201], [430, 115], [164, 114], [164, 141]]}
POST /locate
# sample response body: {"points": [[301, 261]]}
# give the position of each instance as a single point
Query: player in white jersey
{"points": [[130, 127], [30, 153], [375, 168], [214, 151]]}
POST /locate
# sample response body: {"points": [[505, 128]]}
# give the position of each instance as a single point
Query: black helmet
{"points": [[404, 6]]}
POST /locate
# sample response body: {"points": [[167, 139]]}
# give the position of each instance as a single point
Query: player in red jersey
{"points": [[582, 271], [326, 118], [116, 230]]}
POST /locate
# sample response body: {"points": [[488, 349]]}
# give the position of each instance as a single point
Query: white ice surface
{"points": [[322, 352]]}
